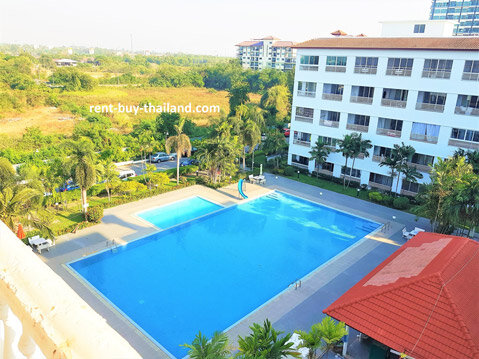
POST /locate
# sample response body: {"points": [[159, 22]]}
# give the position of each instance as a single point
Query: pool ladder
{"points": [[296, 284], [112, 244], [386, 227]]}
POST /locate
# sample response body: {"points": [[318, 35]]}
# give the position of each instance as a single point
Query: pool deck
{"points": [[294, 308]]}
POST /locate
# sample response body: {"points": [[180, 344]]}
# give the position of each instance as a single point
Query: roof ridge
{"points": [[388, 288]]}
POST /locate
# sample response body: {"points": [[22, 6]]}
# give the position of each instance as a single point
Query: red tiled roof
{"points": [[464, 43], [338, 33], [283, 43], [250, 43], [423, 300]]}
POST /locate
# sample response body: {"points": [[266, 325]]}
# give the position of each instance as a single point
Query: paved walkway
{"points": [[293, 309]]}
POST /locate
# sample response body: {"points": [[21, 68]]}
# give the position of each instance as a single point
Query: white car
{"points": [[123, 175]]}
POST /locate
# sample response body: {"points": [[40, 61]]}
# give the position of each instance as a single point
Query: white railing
{"points": [[365, 70], [398, 72], [355, 127], [336, 68], [463, 144], [332, 96], [388, 132], [424, 138], [362, 99], [393, 103], [42, 317], [472, 76], [434, 107], [436, 74], [302, 143], [306, 93], [329, 123], [470, 111], [303, 119], [308, 67]]}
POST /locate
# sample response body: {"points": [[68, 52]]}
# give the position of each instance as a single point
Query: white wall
{"points": [[433, 28]]}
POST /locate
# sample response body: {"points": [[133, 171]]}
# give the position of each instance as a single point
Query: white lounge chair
{"points": [[405, 233], [46, 245], [251, 179]]}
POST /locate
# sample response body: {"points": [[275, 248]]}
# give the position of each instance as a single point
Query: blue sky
{"points": [[192, 26]]}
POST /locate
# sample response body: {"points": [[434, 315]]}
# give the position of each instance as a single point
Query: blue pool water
{"points": [[179, 212], [209, 273]]}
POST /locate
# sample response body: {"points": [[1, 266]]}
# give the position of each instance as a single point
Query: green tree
{"points": [[159, 179], [149, 171], [202, 348], [331, 333], [275, 143], [319, 154], [251, 137], [347, 148], [7, 173], [359, 147], [265, 343], [110, 177], [276, 101], [398, 162], [311, 340], [181, 144], [238, 95]]}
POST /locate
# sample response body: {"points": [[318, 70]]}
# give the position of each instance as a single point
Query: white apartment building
{"points": [[418, 28], [420, 91], [268, 52]]}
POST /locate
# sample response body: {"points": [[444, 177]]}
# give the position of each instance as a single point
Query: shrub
{"points": [[96, 189], [94, 214], [289, 171], [376, 197], [388, 200], [129, 187], [401, 203]]}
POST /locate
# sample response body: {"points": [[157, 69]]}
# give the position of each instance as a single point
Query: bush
{"points": [[94, 214], [388, 200], [289, 171], [376, 197], [401, 203], [96, 189]]}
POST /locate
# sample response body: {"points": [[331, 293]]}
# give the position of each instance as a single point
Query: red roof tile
{"points": [[398, 43], [250, 43], [423, 300], [338, 33], [283, 44]]}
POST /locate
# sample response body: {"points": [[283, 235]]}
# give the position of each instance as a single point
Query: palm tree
{"points": [[360, 147], [110, 177], [15, 203], [251, 135], [347, 148], [398, 161], [265, 343], [331, 333], [202, 348], [150, 169], [319, 153], [411, 174], [83, 164], [275, 144], [180, 143], [311, 340]]}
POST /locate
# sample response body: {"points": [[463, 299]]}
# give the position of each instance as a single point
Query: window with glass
{"points": [[366, 65], [302, 136], [351, 172], [305, 112], [306, 88], [390, 124], [336, 60], [465, 135], [399, 66], [395, 94], [435, 68], [425, 132], [380, 179], [330, 116], [421, 159], [300, 160], [361, 120], [410, 186], [468, 101], [434, 98], [471, 70], [382, 151], [335, 89], [328, 141], [419, 28], [309, 60], [327, 166]]}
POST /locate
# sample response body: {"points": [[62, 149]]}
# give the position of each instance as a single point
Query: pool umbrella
{"points": [[260, 169], [20, 232]]}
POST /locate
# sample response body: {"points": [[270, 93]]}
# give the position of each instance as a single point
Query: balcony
{"points": [[379, 186], [399, 72], [424, 138], [328, 123], [436, 74], [361, 99], [408, 193], [377, 158], [307, 93], [471, 76], [332, 96], [365, 70], [336, 68], [325, 172], [303, 119], [302, 143], [354, 127], [308, 67], [331, 148], [299, 165], [42, 317], [420, 168], [470, 111], [353, 179], [393, 103], [434, 107], [463, 144], [388, 132]]}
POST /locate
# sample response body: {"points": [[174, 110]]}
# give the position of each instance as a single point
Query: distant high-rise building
{"points": [[268, 52], [466, 12]]}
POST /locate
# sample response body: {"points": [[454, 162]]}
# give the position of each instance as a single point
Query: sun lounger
{"points": [[45, 245]]}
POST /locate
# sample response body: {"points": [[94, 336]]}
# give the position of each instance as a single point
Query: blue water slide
{"points": [[240, 189]]}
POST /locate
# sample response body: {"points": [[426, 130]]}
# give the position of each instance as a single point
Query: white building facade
{"points": [[417, 91], [418, 28], [268, 52]]}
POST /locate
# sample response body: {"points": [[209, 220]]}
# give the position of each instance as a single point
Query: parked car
{"points": [[162, 156], [125, 174], [68, 186], [286, 132], [188, 162]]}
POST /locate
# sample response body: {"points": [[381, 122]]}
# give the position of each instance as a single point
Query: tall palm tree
{"points": [[251, 135], [319, 153], [110, 176], [202, 348], [84, 168], [398, 161], [15, 203], [181, 144], [411, 174], [265, 343], [347, 148], [275, 144], [360, 147]]}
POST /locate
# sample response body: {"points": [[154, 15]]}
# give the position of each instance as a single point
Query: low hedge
{"points": [[401, 203], [95, 214], [375, 197]]}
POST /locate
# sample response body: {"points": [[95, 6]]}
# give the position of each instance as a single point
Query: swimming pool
{"points": [[178, 212], [209, 273]]}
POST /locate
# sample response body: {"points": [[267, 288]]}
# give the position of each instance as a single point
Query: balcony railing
{"points": [[436, 74], [331, 148], [398, 72], [42, 317], [434, 107], [471, 76], [365, 70], [388, 132], [332, 96], [470, 111], [393, 103], [336, 68], [307, 93], [421, 168], [464, 144], [300, 165], [324, 171], [308, 67], [408, 193], [424, 138], [303, 119], [354, 179], [328, 123], [354, 127], [379, 186], [302, 143], [377, 158], [362, 99]]}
